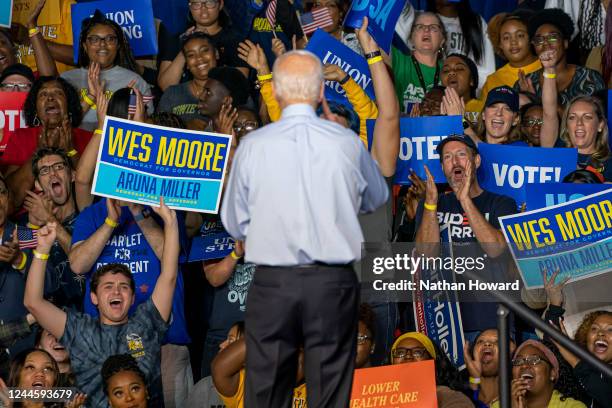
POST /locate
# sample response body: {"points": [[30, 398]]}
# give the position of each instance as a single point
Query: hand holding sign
{"points": [[368, 44], [333, 72], [167, 214], [554, 291], [113, 210]]}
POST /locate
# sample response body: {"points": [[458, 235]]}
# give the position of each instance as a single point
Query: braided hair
{"points": [[590, 24]]}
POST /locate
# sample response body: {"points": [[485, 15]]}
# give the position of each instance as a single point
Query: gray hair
{"points": [[298, 76]]}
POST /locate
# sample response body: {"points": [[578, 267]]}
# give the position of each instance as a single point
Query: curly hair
{"points": [[583, 330], [124, 57], [602, 149], [497, 22], [567, 384], [555, 17], [117, 364], [73, 103], [368, 318]]}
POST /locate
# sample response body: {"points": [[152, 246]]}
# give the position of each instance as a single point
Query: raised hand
{"points": [[9, 251], [93, 80], [167, 214], [333, 72], [525, 84], [77, 402], [474, 365], [253, 55], [452, 103], [548, 59], [113, 209], [431, 190], [38, 206], [46, 237], [368, 44], [33, 18], [278, 47], [416, 192], [225, 119], [554, 292]]}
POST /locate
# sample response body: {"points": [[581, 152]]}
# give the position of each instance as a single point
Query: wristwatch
{"points": [[142, 215]]}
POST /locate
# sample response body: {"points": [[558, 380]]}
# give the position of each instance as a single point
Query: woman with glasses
{"points": [[551, 30], [366, 332], [106, 64], [531, 123], [535, 370], [208, 17], [17, 78], [416, 74]]}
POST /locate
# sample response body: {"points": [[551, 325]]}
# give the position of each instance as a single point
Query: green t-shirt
{"points": [[407, 85]]}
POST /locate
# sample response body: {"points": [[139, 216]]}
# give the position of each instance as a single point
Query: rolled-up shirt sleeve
{"points": [[234, 209], [376, 192]]}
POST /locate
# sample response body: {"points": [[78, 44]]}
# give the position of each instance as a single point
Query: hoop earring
{"points": [[36, 121]]}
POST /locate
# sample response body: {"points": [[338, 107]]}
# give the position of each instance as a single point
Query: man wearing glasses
{"points": [[16, 78], [54, 202]]}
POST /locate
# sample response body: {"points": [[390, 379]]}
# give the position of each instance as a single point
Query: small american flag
{"points": [[271, 13], [27, 237], [132, 106], [318, 18]]}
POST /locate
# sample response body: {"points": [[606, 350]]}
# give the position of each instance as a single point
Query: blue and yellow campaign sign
{"points": [[574, 237], [139, 162]]}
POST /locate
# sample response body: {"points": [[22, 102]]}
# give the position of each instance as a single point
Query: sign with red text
{"points": [[407, 385], [11, 114]]}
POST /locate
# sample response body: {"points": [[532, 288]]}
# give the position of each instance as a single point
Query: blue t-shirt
{"points": [[129, 246]]}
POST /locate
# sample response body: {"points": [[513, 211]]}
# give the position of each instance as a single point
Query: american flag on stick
{"points": [[271, 15], [27, 237], [318, 18], [132, 106]]}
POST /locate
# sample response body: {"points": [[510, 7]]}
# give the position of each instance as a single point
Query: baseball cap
{"points": [[465, 139], [503, 94], [18, 69]]}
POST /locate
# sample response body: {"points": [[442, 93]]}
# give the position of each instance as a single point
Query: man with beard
{"points": [[472, 215], [482, 361], [53, 174]]}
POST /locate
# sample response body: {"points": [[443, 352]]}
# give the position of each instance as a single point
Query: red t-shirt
{"points": [[23, 143]]}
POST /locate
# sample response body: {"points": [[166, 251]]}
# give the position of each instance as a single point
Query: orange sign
{"points": [[408, 385]]}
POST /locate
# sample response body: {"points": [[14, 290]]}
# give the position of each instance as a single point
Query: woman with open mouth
{"points": [[583, 126], [33, 369], [535, 370], [124, 382]]}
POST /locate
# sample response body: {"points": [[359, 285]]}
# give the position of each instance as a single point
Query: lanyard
{"points": [[417, 66]]}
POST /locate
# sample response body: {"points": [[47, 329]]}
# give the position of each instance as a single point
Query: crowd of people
{"points": [[105, 300]]}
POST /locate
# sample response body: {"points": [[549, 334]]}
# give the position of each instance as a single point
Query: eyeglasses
{"points": [[434, 28], [533, 122], [15, 87], [402, 352], [95, 39], [246, 126], [56, 167], [362, 338], [551, 39], [209, 4], [530, 360]]}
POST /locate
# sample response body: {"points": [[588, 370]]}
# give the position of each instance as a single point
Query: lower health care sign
{"points": [[139, 162]]}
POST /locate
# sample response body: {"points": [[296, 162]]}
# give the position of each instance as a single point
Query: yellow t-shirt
{"points": [[507, 75], [555, 402], [237, 401], [472, 111], [60, 34]]}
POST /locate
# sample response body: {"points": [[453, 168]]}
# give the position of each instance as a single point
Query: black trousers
{"points": [[288, 307]]}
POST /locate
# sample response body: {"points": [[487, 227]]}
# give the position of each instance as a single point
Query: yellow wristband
{"points": [[474, 380], [33, 31], [111, 223], [549, 76], [72, 153], [98, 131], [22, 264], [33, 226], [38, 255], [264, 77], [88, 100], [374, 60], [431, 207], [234, 255]]}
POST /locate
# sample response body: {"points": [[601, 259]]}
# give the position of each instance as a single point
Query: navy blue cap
{"points": [[465, 139], [503, 94]]}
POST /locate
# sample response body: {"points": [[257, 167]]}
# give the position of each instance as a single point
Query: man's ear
{"points": [[322, 92], [477, 160], [94, 298]]}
